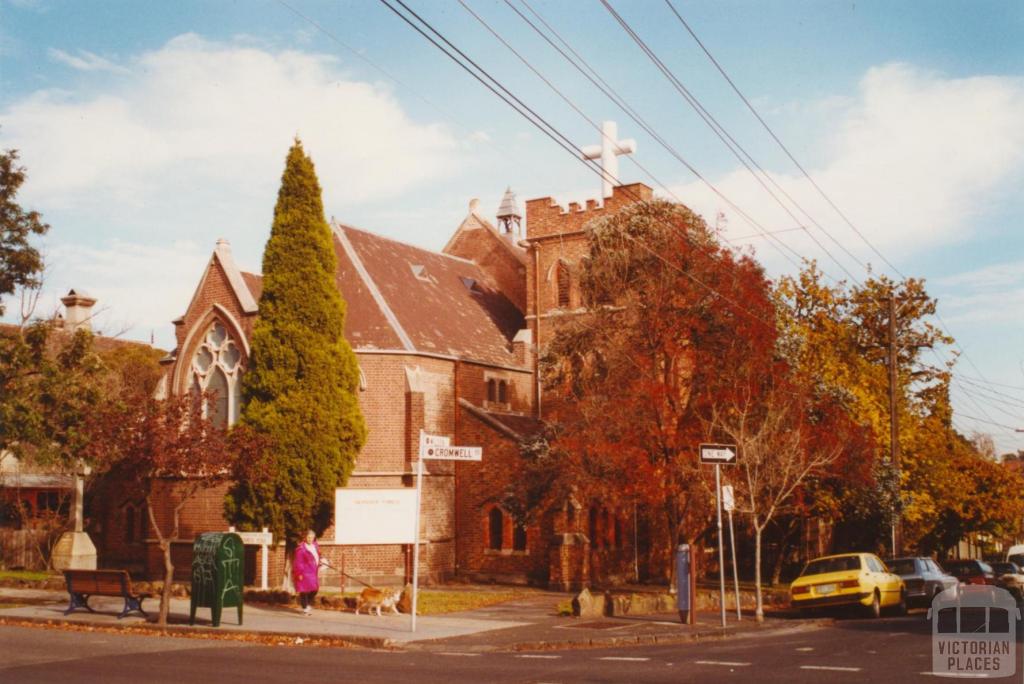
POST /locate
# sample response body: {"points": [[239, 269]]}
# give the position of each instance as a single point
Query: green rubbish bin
{"points": [[218, 569]]}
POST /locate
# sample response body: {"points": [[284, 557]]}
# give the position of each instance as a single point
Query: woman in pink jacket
{"points": [[304, 571]]}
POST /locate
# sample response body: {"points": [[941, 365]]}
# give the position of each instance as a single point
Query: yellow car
{"points": [[848, 579]]}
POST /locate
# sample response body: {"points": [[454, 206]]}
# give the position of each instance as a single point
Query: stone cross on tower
{"points": [[608, 152]]}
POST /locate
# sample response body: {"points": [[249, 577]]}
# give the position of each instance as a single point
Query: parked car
{"points": [[970, 571], [1009, 576], [923, 578], [848, 579], [1015, 554]]}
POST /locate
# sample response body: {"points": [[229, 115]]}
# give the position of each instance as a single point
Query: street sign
{"points": [[427, 441], [728, 500], [450, 453], [718, 453], [263, 538]]}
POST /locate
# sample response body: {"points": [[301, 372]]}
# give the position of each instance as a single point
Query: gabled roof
{"points": [[433, 303], [510, 425], [240, 285], [404, 298], [472, 222]]}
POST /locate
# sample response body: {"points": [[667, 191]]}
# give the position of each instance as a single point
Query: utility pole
{"points": [[894, 423], [894, 430]]}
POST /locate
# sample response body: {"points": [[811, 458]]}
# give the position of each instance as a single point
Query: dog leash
{"points": [[324, 562]]}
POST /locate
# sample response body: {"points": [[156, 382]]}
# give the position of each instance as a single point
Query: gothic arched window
{"points": [[217, 369]]}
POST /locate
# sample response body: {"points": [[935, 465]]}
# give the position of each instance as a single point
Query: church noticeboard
{"points": [[374, 516], [218, 571]]}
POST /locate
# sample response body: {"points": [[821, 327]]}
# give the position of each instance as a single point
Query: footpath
{"points": [[525, 624]]}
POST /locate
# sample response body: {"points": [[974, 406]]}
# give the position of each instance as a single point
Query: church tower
{"points": [[556, 244]]}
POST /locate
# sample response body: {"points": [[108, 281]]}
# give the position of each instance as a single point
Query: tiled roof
{"points": [[434, 302], [402, 297], [514, 426], [254, 282]]}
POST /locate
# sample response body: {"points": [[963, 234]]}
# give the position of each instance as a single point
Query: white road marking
{"points": [[805, 648], [724, 663], [898, 633], [628, 660], [830, 668], [532, 655], [463, 655]]}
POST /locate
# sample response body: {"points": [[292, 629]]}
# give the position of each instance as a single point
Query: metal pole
{"points": [[735, 571], [416, 539], [636, 551], [894, 429], [721, 550]]}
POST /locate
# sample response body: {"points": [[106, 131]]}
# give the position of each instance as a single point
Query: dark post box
{"points": [[684, 593], [218, 572]]}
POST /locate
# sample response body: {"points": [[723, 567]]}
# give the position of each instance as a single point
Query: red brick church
{"points": [[447, 343]]}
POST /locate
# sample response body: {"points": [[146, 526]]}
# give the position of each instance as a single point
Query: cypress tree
{"points": [[299, 389]]}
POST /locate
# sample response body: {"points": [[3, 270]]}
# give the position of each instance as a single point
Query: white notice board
{"points": [[374, 516]]}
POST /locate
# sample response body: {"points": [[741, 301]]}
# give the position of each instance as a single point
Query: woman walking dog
{"points": [[305, 566]]}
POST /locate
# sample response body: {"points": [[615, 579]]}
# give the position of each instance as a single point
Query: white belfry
{"points": [[608, 152]]}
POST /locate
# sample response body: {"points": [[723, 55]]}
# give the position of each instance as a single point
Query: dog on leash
{"points": [[378, 599]]}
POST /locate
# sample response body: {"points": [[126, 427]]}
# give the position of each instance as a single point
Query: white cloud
{"points": [[139, 172], [86, 61], [989, 277], [195, 116], [139, 288], [913, 159], [993, 294]]}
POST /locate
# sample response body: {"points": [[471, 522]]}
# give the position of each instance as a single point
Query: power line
{"points": [[562, 95], [733, 146], [782, 145], [591, 75], [804, 172], [541, 124]]}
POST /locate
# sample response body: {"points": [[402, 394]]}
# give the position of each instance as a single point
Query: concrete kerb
{"points": [[319, 637], [204, 632]]}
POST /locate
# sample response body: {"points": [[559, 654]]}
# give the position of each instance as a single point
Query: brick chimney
{"points": [[78, 310]]}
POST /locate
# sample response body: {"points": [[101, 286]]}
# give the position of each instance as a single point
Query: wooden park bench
{"points": [[83, 584]]}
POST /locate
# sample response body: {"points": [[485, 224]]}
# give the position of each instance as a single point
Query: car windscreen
{"points": [[1017, 558], [823, 565], [904, 566]]}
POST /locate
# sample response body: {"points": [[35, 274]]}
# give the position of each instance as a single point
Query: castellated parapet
{"points": [[545, 217]]}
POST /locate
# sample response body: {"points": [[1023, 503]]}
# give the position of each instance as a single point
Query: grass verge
{"points": [[25, 575]]}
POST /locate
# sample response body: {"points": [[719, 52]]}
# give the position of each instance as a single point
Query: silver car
{"points": [[923, 577]]}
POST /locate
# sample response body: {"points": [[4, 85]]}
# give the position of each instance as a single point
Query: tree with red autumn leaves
{"points": [[153, 446], [675, 324]]}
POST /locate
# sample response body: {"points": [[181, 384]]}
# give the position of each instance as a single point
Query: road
{"points": [[886, 650]]}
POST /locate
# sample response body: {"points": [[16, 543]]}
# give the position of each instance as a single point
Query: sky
{"points": [[149, 130]]}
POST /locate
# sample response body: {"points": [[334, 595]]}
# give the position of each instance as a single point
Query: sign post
{"points": [[262, 539], [719, 454], [729, 503], [427, 444], [438, 448]]}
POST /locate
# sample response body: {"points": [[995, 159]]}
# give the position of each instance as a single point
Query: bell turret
{"points": [[509, 216]]}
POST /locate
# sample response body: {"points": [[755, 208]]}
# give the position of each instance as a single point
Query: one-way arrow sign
{"points": [[718, 453]]}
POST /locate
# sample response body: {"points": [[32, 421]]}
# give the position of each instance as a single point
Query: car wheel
{"points": [[875, 609], [901, 607]]}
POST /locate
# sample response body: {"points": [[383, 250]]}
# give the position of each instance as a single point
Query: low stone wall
{"points": [[614, 602]]}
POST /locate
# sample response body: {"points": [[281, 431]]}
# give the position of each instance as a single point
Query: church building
{"points": [[447, 343]]}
